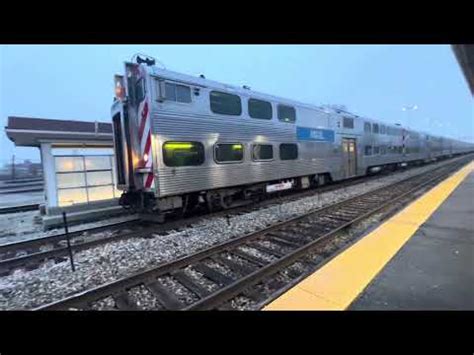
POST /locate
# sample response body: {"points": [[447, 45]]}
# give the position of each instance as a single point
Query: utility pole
{"points": [[13, 166]]}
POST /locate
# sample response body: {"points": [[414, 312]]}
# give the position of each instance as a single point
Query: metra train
{"points": [[183, 141]]}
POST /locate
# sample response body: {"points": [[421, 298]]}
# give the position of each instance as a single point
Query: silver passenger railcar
{"points": [[182, 141]]}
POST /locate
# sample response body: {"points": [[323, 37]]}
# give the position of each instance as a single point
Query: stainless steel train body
{"points": [[182, 140]]}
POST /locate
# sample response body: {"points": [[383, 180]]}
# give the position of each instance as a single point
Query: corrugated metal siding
{"points": [[210, 175], [167, 124]]}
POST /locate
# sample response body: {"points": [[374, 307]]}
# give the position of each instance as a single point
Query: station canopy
{"points": [[465, 55], [30, 131]]}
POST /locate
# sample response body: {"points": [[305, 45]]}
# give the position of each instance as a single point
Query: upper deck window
{"points": [[382, 129], [260, 109], [348, 122], [375, 128], [286, 113], [177, 93], [225, 104], [367, 127]]}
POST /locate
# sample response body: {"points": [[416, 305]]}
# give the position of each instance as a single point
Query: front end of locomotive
{"points": [[132, 135]]}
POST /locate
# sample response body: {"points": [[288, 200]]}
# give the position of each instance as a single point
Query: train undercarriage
{"points": [[156, 209]]}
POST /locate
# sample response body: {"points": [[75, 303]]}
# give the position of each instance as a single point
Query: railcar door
{"points": [[349, 157]]}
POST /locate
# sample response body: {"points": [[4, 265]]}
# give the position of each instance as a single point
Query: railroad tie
{"points": [[124, 303], [213, 274], [165, 297], [283, 242], [240, 269], [266, 250], [188, 283], [250, 258]]}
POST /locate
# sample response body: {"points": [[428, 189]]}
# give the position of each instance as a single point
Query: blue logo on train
{"points": [[314, 134]]}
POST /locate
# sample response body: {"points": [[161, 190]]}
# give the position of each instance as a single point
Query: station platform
{"points": [[422, 258]]}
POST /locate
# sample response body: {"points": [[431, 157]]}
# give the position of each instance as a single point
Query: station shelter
{"points": [[77, 158]]}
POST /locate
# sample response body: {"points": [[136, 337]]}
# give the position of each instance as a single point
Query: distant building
{"points": [[21, 170]]}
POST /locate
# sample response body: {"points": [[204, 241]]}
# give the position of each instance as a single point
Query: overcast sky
{"points": [[76, 82]]}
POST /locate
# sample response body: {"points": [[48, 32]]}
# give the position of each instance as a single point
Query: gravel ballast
{"points": [[105, 263]]}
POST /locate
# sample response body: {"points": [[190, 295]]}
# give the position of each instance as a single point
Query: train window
{"points": [[368, 150], [262, 152], [286, 113], [288, 151], [178, 93], [139, 91], [118, 144], [376, 150], [382, 129], [225, 104], [375, 128], [348, 122], [226, 153], [183, 93], [260, 109], [183, 153], [367, 127], [170, 92], [383, 150]]}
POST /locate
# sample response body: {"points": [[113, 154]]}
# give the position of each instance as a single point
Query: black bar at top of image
{"points": [[237, 23], [338, 35]]}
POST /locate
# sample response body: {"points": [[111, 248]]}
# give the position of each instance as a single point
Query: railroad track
{"points": [[30, 254], [16, 209], [211, 278]]}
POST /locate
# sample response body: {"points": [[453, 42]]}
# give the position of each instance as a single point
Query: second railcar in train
{"points": [[183, 141]]}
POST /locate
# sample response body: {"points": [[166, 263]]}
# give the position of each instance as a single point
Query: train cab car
{"points": [[183, 141]]}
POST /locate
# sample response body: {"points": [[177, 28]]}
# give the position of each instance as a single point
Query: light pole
{"points": [[406, 109]]}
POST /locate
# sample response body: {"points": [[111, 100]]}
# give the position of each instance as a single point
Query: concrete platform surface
{"points": [[435, 269], [386, 270]]}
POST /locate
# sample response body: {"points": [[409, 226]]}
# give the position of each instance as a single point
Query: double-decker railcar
{"points": [[183, 141]]}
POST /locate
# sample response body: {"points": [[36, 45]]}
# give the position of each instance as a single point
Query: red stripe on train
{"points": [[142, 162], [143, 121], [147, 144], [149, 180]]}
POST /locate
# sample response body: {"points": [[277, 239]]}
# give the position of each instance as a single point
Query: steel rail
{"points": [[388, 195]]}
